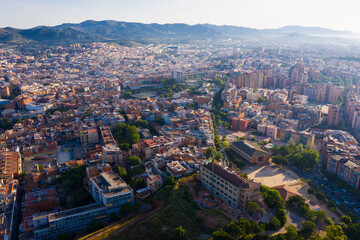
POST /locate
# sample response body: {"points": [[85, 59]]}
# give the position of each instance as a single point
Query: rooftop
{"points": [[75, 211], [110, 183], [231, 178], [250, 148]]}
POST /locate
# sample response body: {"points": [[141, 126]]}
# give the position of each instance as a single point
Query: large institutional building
{"points": [[233, 189], [109, 192], [250, 152]]}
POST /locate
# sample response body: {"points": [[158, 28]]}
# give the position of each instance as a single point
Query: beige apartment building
{"points": [[233, 189], [89, 136]]}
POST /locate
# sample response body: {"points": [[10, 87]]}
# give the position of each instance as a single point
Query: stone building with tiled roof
{"points": [[250, 152]]}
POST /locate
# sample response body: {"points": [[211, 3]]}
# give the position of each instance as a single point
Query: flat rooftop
{"points": [[110, 183], [75, 211]]}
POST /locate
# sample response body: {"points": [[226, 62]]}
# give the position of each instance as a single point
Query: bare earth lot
{"points": [[272, 175]]}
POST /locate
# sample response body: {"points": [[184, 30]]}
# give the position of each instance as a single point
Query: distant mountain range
{"points": [[129, 33]]}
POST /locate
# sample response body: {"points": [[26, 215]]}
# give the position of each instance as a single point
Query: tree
{"points": [[308, 227], [274, 223], [320, 196], [118, 130], [253, 139], [284, 150], [124, 146], [335, 232], [303, 159], [209, 152], [346, 219], [41, 168], [311, 191], [320, 219], [353, 231], [180, 233], [218, 156], [160, 121], [132, 134], [280, 160], [291, 232], [234, 229], [281, 215], [223, 139], [296, 159], [272, 197], [173, 107], [141, 123], [221, 235], [121, 171], [331, 205], [262, 211], [22, 176], [261, 100], [252, 207], [138, 183], [309, 159], [133, 161], [226, 125], [6, 124]]}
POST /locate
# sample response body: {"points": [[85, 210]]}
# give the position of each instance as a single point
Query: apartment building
{"points": [[89, 136], [239, 124], [344, 168], [8, 190], [233, 189], [50, 225], [112, 154], [110, 190], [175, 169], [268, 130], [296, 137], [250, 152], [10, 163], [333, 116]]}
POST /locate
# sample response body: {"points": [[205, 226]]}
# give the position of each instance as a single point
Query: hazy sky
{"points": [[335, 14]]}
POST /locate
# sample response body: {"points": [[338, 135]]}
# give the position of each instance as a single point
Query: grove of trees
{"points": [[126, 134], [303, 159], [274, 200]]}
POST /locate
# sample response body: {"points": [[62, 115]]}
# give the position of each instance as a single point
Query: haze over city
{"points": [[181, 120], [338, 15]]}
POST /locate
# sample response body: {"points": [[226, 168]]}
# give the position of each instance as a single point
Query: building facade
{"points": [[333, 116], [49, 226], [233, 189], [110, 190], [250, 152]]}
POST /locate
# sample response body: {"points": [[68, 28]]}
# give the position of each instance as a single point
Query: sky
{"points": [[334, 14]]}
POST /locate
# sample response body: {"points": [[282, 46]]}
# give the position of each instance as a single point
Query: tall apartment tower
{"points": [[333, 115], [178, 76]]}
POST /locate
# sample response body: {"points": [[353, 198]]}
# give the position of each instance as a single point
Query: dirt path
{"points": [[124, 225], [140, 218]]}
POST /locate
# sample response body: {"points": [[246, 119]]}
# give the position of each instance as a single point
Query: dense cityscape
{"points": [[218, 140]]}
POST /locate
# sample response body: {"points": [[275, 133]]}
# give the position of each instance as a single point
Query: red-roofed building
{"points": [[40, 201], [286, 192]]}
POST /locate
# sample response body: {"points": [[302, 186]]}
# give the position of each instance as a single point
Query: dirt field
{"points": [[272, 175]]}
